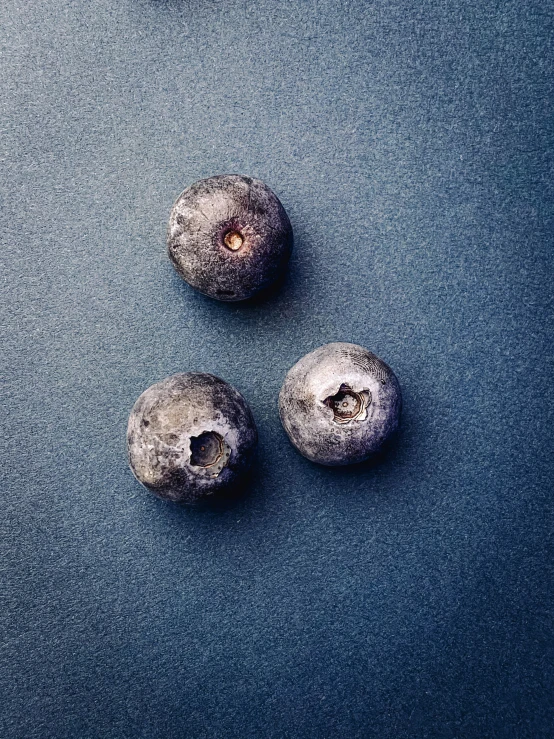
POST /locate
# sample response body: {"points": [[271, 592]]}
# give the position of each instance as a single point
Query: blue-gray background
{"points": [[411, 144]]}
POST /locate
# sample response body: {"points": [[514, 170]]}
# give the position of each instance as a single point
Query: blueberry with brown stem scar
{"points": [[339, 404], [190, 436], [229, 237]]}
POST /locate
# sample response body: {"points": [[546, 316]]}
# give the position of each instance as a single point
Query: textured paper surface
{"points": [[411, 144]]}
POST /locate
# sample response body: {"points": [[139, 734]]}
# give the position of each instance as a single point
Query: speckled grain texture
{"points": [[206, 213], [411, 144], [169, 416], [317, 383]]}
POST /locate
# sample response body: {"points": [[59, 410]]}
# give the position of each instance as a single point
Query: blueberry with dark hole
{"points": [[339, 404], [229, 237], [190, 436]]}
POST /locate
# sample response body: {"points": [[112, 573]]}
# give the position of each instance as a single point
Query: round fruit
{"points": [[339, 403], [229, 237], [190, 436]]}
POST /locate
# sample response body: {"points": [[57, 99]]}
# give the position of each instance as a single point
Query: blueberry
{"points": [[190, 436], [339, 403], [229, 237]]}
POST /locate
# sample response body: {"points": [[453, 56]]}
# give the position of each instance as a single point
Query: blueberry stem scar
{"points": [[233, 240]]}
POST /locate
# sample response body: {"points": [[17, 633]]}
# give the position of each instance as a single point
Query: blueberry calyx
{"points": [[348, 405]]}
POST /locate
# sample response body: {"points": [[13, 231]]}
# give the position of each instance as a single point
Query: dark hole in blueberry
{"points": [[206, 449], [226, 293], [146, 423]]}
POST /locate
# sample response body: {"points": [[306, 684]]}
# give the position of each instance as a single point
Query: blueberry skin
{"points": [[190, 436], [229, 237], [339, 404]]}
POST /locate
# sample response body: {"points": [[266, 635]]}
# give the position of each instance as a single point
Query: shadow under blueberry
{"points": [[282, 291], [376, 479], [388, 455], [231, 499]]}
